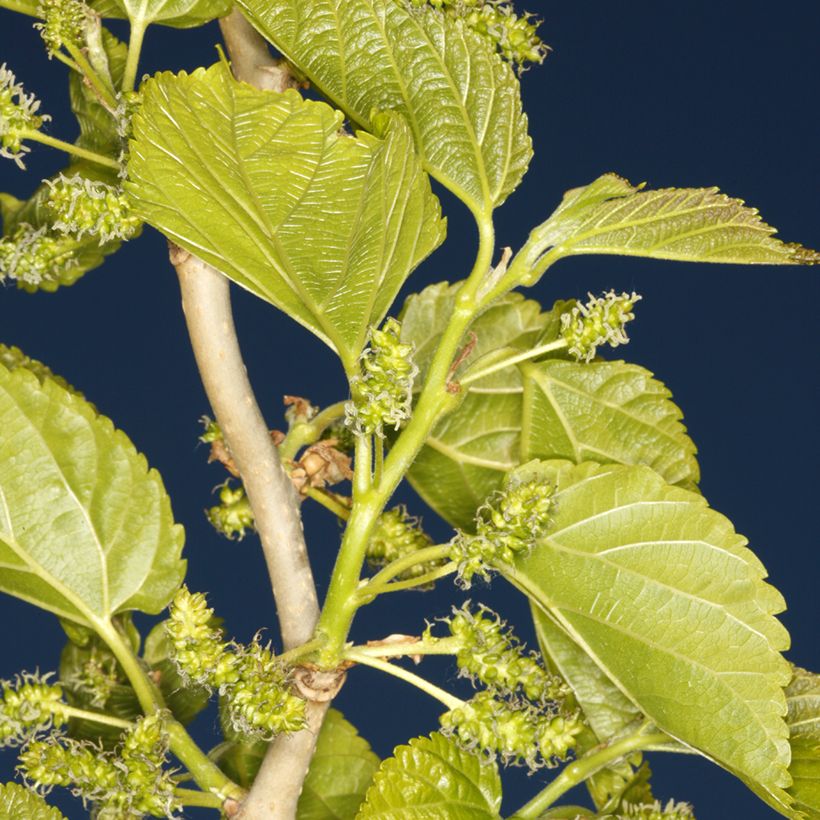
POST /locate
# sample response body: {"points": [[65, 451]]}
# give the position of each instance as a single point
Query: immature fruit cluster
{"points": [[233, 515], [18, 115], [251, 679], [64, 23], [37, 258], [601, 320], [490, 653], [395, 535], [383, 393], [29, 705], [128, 782], [515, 37], [506, 526], [83, 207]]}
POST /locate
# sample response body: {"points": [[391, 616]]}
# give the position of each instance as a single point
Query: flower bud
{"points": [[18, 115], [64, 23], [198, 648], [600, 321], [233, 515]]}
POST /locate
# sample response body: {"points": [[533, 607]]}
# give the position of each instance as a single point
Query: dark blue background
{"points": [[696, 93]]}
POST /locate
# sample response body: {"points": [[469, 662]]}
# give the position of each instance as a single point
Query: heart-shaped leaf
{"points": [[241, 176], [461, 100]]}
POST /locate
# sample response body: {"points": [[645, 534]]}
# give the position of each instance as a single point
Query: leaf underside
{"points": [[803, 700], [20, 803], [433, 779], [667, 600], [86, 529], [461, 100], [240, 177]]}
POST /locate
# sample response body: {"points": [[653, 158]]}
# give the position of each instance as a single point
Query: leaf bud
{"points": [[64, 24], [233, 515], [18, 116], [29, 705], [600, 321], [81, 206], [383, 393]]}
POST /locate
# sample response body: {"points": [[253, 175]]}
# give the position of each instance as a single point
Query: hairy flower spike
{"points": [[18, 116], [491, 654], [81, 207], [397, 534], [36, 258], [29, 705], [506, 526], [657, 811], [198, 648], [519, 733], [259, 701], [64, 24], [515, 37], [233, 515], [600, 321], [383, 394]]}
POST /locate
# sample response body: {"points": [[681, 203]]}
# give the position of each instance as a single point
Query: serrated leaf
{"points": [[685, 224], [86, 529], [598, 411], [98, 125], [432, 778], [460, 98], [241, 176], [665, 597], [176, 13], [23, 804], [605, 412], [803, 700], [12, 357], [340, 773], [461, 465]]}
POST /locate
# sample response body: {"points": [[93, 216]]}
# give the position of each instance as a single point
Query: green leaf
{"points": [[432, 778], [667, 600], [19, 802], [463, 463], [239, 759], [686, 224], [98, 125], [86, 529], [241, 176], [460, 98], [605, 412], [340, 772], [803, 699], [176, 13], [597, 411], [12, 357]]}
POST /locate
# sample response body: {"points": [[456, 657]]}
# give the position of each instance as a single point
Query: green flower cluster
{"points": [[507, 526], [29, 705], [64, 23], [657, 811], [39, 259], [233, 515], [515, 37], [491, 654], [395, 535], [96, 678], [213, 432], [383, 394], [129, 782], [18, 115], [82, 206], [253, 682], [600, 321], [517, 731]]}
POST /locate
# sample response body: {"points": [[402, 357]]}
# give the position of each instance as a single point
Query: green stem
{"points": [[419, 581], [578, 771], [208, 776], [434, 646], [378, 466], [99, 85], [450, 701], [20, 6], [129, 76], [191, 797], [97, 717], [549, 347], [434, 402], [309, 432], [397, 567], [61, 145], [65, 60], [328, 501], [292, 655]]}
